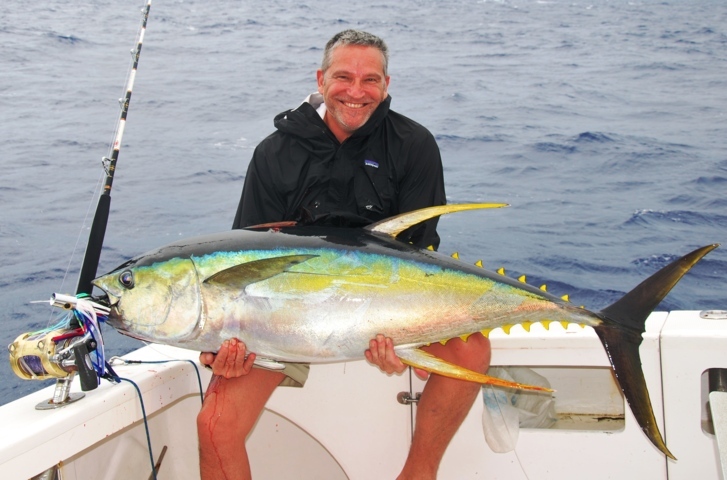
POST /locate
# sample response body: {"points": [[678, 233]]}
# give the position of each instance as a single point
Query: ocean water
{"points": [[602, 123]]}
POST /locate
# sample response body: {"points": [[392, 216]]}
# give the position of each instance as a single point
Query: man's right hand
{"points": [[229, 361]]}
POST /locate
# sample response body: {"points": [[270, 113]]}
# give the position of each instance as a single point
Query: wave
{"points": [[65, 39], [646, 218]]}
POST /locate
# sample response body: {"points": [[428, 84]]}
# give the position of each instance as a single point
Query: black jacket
{"points": [[301, 172]]}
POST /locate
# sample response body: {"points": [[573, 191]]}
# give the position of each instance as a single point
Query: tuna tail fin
{"points": [[620, 333]]}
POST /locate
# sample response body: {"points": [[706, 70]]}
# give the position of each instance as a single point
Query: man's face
{"points": [[353, 86]]}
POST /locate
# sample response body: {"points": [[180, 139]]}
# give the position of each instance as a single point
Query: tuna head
{"points": [[158, 302]]}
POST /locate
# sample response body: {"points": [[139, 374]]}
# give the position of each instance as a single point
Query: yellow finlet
{"points": [[527, 325], [430, 248], [506, 329], [501, 271], [465, 337], [478, 263], [455, 255], [544, 287], [546, 324], [486, 333], [564, 323], [565, 297], [443, 342], [522, 279]]}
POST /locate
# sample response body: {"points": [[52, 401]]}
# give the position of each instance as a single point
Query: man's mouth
{"points": [[354, 105]]}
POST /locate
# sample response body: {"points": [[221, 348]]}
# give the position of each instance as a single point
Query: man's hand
{"points": [[230, 361], [381, 353]]}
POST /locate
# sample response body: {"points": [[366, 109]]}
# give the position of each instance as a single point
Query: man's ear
{"points": [[319, 77]]}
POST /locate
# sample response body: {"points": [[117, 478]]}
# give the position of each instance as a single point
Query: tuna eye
{"points": [[126, 278]]}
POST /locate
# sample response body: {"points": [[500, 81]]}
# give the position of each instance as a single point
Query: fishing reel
{"points": [[73, 346]]}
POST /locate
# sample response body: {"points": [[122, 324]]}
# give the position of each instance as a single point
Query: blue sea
{"points": [[602, 123]]}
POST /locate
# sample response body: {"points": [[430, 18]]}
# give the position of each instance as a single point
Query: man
{"points": [[342, 158]]}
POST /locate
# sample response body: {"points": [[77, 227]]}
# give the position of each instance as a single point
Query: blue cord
{"points": [[111, 375], [196, 369]]}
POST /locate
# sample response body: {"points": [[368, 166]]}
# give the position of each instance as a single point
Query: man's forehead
{"points": [[347, 56]]}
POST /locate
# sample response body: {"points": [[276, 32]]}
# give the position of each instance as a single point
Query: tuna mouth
{"points": [[107, 299]]}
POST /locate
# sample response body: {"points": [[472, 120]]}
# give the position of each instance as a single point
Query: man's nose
{"points": [[356, 89]]}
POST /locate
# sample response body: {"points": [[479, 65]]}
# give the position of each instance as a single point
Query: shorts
{"points": [[295, 374]]}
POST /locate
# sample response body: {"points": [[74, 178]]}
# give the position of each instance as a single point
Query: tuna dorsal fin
{"points": [[393, 226], [244, 274], [417, 358]]}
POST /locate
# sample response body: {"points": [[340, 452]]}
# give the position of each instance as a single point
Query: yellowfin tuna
{"points": [[318, 294]]}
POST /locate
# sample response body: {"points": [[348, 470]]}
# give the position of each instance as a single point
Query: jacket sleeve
{"points": [[422, 185], [260, 201]]}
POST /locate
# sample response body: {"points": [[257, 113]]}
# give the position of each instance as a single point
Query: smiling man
{"points": [[344, 159], [353, 82]]}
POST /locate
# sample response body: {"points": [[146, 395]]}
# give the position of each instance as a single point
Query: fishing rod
{"points": [[100, 220], [75, 345]]}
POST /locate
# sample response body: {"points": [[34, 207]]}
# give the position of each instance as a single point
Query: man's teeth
{"points": [[353, 105]]}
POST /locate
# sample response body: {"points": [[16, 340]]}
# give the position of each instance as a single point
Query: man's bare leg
{"points": [[443, 406], [229, 412]]}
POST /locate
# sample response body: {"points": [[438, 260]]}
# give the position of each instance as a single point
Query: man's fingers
{"points": [[230, 361], [381, 353]]}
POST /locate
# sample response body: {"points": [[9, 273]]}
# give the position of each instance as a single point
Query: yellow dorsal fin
{"points": [[565, 297], [393, 226], [455, 255], [501, 271], [478, 263], [544, 287], [526, 325], [522, 279]]}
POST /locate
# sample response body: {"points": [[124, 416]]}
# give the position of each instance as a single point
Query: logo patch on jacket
{"points": [[371, 163]]}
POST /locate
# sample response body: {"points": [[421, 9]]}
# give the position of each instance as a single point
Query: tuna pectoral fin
{"points": [[417, 358], [620, 333], [240, 276]]}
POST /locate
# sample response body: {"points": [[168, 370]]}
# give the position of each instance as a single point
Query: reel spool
{"points": [[59, 353], [35, 356]]}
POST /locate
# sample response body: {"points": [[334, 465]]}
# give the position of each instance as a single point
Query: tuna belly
{"points": [[340, 329]]}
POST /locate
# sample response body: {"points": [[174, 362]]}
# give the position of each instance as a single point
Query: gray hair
{"points": [[355, 37]]}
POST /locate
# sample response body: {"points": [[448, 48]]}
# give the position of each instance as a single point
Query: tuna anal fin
{"points": [[242, 275], [417, 358]]}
